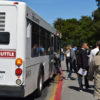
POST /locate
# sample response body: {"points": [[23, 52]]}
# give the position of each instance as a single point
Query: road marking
{"points": [[55, 88], [56, 94], [59, 89]]}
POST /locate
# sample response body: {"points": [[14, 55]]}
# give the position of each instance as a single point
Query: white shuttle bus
{"points": [[27, 43]]}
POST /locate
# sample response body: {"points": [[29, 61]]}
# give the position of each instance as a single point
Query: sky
{"points": [[50, 10]]}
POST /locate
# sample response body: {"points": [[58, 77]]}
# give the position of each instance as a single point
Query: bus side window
{"points": [[55, 44], [58, 44], [42, 42], [52, 44], [35, 40], [48, 49]]}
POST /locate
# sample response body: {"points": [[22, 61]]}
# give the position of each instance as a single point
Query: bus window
{"points": [[48, 43], [58, 45], [42, 41], [55, 43], [4, 38], [52, 44], [35, 41]]}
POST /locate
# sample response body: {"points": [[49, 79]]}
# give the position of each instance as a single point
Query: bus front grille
{"points": [[2, 21]]}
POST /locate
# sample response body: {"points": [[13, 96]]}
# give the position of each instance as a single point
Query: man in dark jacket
{"points": [[82, 62]]}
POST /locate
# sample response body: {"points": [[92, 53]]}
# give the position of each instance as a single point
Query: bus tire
{"points": [[40, 84]]}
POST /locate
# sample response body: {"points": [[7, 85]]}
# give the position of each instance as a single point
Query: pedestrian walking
{"points": [[62, 54], [68, 57], [94, 52], [94, 72], [82, 63], [72, 62]]}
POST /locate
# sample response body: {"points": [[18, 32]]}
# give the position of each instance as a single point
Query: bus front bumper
{"points": [[11, 91]]}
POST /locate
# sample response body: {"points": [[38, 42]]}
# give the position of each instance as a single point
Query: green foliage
{"points": [[75, 31], [96, 24]]}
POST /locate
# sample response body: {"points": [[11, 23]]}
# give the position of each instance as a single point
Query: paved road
{"points": [[69, 90]]}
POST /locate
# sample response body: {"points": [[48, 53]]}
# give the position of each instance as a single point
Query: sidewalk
{"points": [[70, 88]]}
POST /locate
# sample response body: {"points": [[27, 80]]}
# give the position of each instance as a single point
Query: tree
{"points": [[86, 32], [98, 3], [75, 31], [96, 24]]}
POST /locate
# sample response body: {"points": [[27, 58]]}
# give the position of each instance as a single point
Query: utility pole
{"points": [[98, 3]]}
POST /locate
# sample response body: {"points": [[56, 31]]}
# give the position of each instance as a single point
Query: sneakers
{"points": [[80, 91], [68, 78]]}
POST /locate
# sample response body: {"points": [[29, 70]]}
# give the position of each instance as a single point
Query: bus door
{"points": [[51, 54]]}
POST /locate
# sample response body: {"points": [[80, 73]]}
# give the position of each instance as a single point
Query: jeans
{"points": [[67, 63], [72, 67], [80, 79], [62, 57], [80, 82], [57, 68], [70, 70]]}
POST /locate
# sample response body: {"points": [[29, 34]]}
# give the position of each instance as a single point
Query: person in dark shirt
{"points": [[83, 62]]}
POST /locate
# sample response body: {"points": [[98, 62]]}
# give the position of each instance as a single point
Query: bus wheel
{"points": [[40, 85]]}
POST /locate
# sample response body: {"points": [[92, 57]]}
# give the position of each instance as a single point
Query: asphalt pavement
{"points": [[70, 90]]}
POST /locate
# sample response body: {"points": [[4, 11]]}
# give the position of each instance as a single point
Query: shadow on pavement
{"points": [[72, 78], [88, 91], [65, 70], [74, 88], [85, 90]]}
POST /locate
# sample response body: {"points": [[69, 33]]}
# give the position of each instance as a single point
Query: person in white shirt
{"points": [[93, 53], [68, 57]]}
